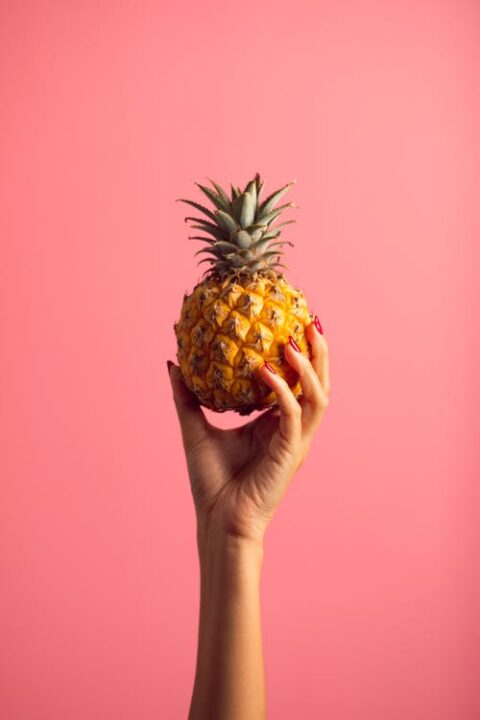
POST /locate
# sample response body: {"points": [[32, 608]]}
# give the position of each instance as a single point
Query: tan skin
{"points": [[238, 478]]}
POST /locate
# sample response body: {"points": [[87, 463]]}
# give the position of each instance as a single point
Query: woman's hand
{"points": [[239, 476]]}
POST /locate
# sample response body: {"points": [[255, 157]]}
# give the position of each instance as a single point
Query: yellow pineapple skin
{"points": [[229, 328]]}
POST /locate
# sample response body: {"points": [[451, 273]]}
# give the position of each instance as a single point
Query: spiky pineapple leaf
{"points": [[287, 222], [270, 201], [211, 250], [280, 243], [260, 245], [239, 230], [259, 183], [216, 199], [212, 229], [220, 267], [211, 240], [271, 234], [209, 260], [197, 206], [256, 226], [226, 247], [278, 265], [269, 254], [235, 260], [256, 234], [243, 239], [195, 219], [251, 189], [244, 209], [226, 221], [270, 217], [204, 223], [221, 192]]}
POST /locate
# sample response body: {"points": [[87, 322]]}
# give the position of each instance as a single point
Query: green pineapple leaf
{"points": [[243, 239], [197, 206], [244, 209], [211, 250], [226, 221], [221, 192], [287, 222], [212, 229], [270, 253], [260, 245], [271, 234], [210, 241], [268, 204], [251, 189], [270, 217], [226, 247], [216, 199], [259, 182]]}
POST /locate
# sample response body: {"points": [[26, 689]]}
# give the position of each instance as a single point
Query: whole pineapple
{"points": [[242, 314]]}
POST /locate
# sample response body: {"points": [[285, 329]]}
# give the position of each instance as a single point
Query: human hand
{"points": [[238, 477]]}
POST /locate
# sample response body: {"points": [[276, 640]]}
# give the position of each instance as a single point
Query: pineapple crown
{"points": [[238, 231]]}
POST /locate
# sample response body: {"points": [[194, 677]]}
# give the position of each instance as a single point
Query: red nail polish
{"points": [[293, 343], [317, 325], [270, 367]]}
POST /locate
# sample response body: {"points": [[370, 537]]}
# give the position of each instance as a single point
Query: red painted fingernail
{"points": [[269, 367], [317, 325], [293, 343]]}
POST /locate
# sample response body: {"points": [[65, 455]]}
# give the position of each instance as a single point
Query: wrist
{"points": [[219, 545]]}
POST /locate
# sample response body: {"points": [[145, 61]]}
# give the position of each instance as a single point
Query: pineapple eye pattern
{"points": [[233, 325], [277, 294], [196, 363], [218, 379], [219, 350], [181, 343], [201, 334], [228, 324]]}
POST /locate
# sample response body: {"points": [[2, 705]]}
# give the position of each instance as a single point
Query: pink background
{"points": [[109, 111]]}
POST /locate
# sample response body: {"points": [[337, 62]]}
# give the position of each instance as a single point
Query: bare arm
{"points": [[238, 477], [229, 679]]}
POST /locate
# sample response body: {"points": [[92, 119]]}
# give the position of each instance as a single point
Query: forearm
{"points": [[229, 681]]}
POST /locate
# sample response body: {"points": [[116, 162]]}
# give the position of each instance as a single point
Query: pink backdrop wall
{"points": [[109, 111]]}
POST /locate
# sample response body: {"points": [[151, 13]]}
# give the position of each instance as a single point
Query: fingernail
{"points": [[270, 367], [169, 366], [318, 325], [293, 343]]}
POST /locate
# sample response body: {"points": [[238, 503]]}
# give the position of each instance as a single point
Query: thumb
{"points": [[192, 420]]}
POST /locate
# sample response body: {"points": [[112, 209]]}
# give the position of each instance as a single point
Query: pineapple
{"points": [[242, 313]]}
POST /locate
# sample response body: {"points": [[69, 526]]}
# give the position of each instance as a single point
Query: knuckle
{"points": [[284, 387], [296, 409], [305, 366]]}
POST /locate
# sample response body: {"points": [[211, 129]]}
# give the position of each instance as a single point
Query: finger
{"points": [[319, 360], [314, 400], [192, 420], [290, 421]]}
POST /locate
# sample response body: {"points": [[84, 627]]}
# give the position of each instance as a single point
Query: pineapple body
{"points": [[228, 328]]}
